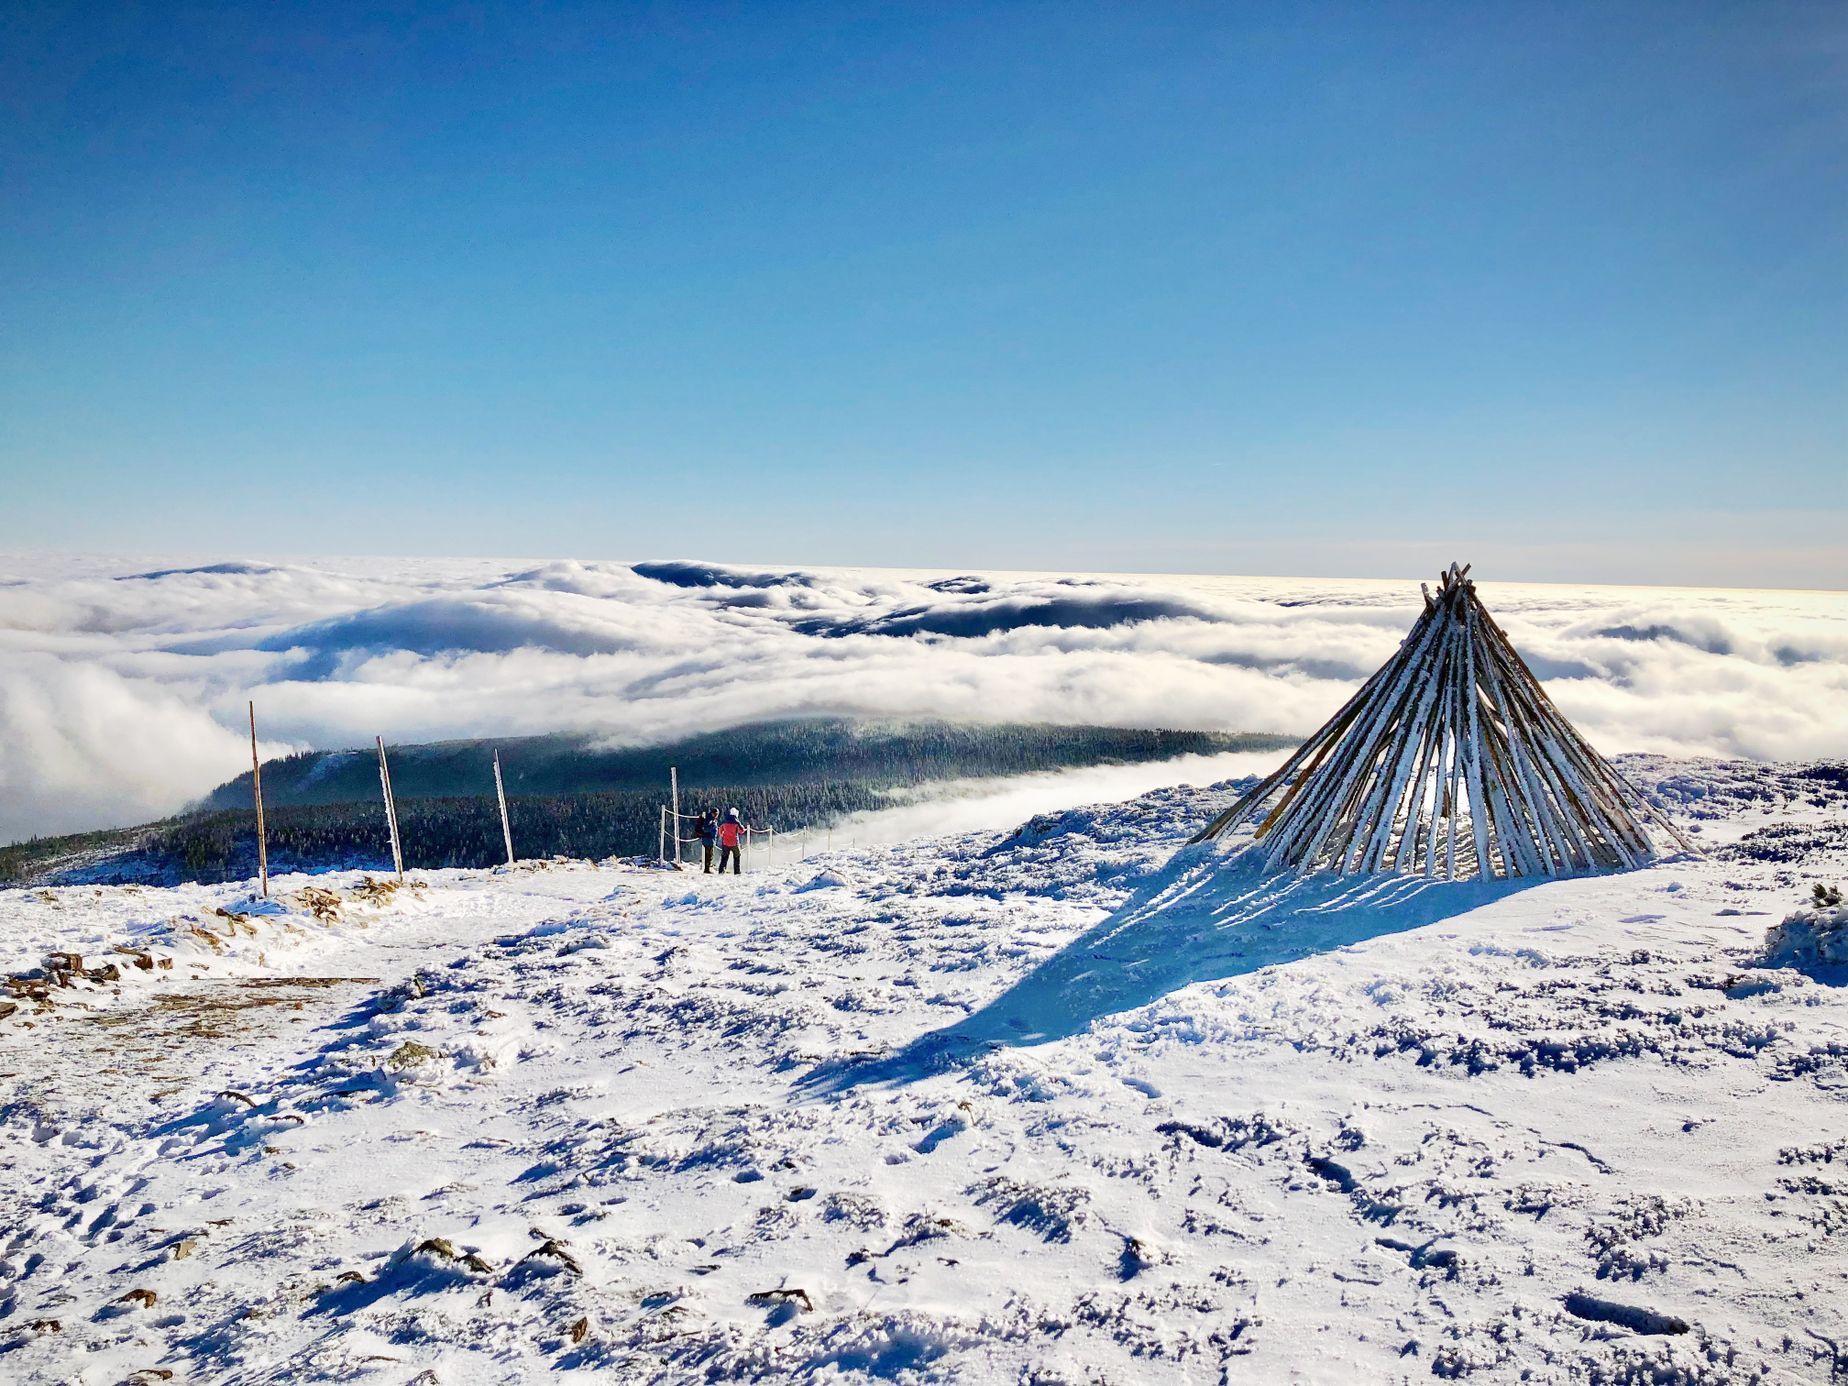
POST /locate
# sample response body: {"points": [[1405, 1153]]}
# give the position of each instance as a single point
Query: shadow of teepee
{"points": [[1209, 914]]}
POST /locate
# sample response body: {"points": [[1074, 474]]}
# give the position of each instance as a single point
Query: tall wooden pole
{"points": [[391, 811], [500, 792], [673, 780], [256, 784], [663, 850]]}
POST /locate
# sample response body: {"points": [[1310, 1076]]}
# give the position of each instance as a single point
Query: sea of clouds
{"points": [[123, 686]]}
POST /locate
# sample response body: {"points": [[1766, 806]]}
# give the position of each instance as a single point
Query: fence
{"points": [[747, 854], [757, 851]]}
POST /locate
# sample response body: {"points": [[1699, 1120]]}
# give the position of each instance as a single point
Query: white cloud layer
{"points": [[122, 687]]}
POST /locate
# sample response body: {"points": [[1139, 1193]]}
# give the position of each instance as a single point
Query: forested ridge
{"points": [[763, 753], [567, 797], [467, 831]]}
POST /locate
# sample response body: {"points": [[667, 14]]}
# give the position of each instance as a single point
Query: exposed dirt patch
{"points": [[156, 1046]]}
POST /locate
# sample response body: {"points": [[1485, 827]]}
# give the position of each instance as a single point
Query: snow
{"points": [[1812, 937], [1068, 1104]]}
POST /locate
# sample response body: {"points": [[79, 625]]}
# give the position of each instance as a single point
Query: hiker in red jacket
{"points": [[731, 838]]}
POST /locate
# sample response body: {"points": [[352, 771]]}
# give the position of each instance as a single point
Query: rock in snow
{"points": [[1061, 1106], [825, 880]]}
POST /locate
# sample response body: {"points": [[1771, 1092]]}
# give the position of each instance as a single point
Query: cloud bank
{"points": [[122, 687]]}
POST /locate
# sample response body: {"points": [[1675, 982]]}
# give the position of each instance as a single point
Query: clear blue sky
{"points": [[1292, 288]]}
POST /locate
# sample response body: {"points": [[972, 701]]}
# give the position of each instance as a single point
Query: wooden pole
{"points": [[391, 811], [673, 782], [663, 851], [256, 785], [500, 792]]}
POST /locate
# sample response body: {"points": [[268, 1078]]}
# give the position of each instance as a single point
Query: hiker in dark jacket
{"points": [[731, 838], [707, 830]]}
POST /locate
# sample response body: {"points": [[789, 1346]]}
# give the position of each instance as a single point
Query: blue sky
{"points": [[1343, 290]]}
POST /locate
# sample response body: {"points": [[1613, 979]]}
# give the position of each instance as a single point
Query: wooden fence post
{"points": [[673, 780], [391, 812], [256, 784], [500, 792]]}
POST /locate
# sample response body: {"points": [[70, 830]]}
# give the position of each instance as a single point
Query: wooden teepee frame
{"points": [[1451, 761]]}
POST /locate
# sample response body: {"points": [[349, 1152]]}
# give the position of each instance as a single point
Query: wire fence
{"points": [[754, 845], [756, 851]]}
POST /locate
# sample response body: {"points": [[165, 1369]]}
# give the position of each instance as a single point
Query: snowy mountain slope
{"points": [[1060, 1106]]}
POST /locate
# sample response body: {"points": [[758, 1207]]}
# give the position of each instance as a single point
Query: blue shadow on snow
{"points": [[1211, 913]]}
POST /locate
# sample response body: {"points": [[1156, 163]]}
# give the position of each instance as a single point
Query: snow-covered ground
{"points": [[1067, 1105]]}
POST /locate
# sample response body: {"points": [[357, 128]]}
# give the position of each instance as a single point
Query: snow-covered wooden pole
{"points": [[663, 849], [256, 786], [391, 811], [500, 793]]}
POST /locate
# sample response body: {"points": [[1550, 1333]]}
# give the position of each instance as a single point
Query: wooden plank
{"points": [[1321, 812]]}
